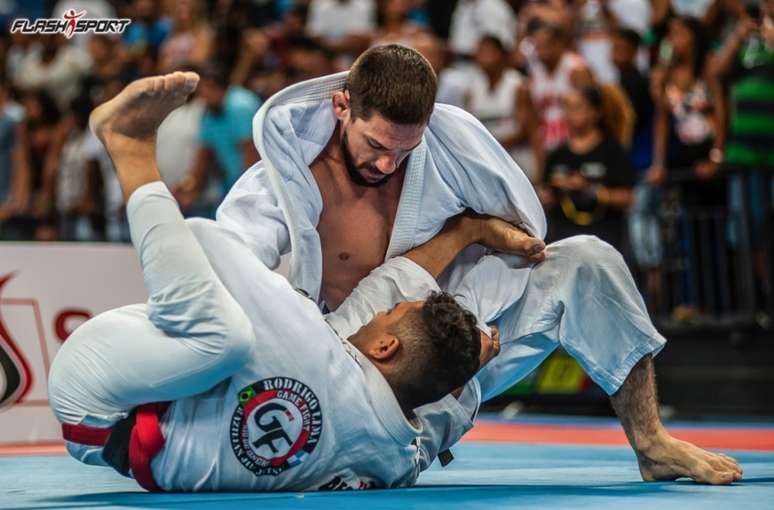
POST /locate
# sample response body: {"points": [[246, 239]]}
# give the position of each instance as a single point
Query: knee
{"points": [[238, 340], [67, 389], [200, 226], [590, 252], [208, 318]]}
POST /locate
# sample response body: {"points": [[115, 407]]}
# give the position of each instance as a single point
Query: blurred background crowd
{"points": [[649, 123]]}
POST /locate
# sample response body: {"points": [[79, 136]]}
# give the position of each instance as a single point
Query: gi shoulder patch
{"points": [[276, 425]]}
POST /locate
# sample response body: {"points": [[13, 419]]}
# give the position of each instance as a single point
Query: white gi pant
{"points": [[581, 297], [190, 335]]}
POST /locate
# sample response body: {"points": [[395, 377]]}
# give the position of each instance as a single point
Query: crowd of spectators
{"points": [[601, 102]]}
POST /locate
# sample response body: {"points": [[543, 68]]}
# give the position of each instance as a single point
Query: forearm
{"points": [[516, 138], [721, 63], [660, 137], [720, 112], [249, 153], [21, 184], [615, 198], [196, 179], [242, 68], [435, 255]]}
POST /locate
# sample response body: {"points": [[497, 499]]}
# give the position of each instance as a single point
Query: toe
{"points": [[182, 83], [727, 462], [721, 476], [706, 473], [191, 80], [726, 478], [154, 86], [172, 82]]}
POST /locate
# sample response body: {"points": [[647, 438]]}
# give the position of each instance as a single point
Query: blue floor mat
{"points": [[483, 476]]}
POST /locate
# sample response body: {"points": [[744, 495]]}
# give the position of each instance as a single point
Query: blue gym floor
{"points": [[483, 475]]}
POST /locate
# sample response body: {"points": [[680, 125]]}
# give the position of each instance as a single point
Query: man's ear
{"points": [[341, 105], [385, 349]]}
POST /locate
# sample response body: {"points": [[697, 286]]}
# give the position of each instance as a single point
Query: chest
{"points": [[494, 101], [685, 94], [593, 166], [356, 222], [549, 87]]}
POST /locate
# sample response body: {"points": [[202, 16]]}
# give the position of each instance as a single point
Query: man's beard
{"points": [[354, 175]]}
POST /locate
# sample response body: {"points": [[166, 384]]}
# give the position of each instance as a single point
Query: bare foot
{"points": [[134, 115], [501, 236], [127, 125], [670, 459]]}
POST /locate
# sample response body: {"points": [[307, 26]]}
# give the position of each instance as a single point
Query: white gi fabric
{"points": [[276, 204], [321, 417]]}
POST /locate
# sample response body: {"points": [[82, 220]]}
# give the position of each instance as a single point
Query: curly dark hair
{"points": [[442, 346], [395, 81]]}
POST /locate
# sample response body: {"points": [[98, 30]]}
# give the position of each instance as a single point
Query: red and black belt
{"points": [[131, 443]]}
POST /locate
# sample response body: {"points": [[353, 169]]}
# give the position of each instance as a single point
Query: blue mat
{"points": [[483, 476]]}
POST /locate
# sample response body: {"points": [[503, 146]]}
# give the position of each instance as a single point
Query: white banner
{"points": [[46, 291]]}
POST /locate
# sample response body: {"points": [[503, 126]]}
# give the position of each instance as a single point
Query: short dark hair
{"points": [[555, 31], [306, 43], [216, 73], [442, 347], [395, 81], [494, 41], [630, 36]]}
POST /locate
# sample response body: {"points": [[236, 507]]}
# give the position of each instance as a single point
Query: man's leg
{"points": [[191, 334], [660, 456], [584, 299]]}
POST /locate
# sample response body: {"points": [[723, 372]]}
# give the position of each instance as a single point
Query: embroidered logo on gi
{"points": [[276, 425]]}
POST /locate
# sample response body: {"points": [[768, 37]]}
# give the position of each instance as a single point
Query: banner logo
{"points": [[70, 23], [15, 373]]}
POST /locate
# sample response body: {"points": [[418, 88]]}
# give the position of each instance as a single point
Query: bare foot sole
{"points": [[135, 114], [670, 459]]}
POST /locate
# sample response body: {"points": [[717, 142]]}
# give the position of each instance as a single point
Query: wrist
{"points": [[716, 155], [188, 184], [603, 195]]}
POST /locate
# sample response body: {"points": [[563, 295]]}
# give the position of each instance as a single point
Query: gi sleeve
{"points": [[446, 421], [481, 173], [250, 210]]}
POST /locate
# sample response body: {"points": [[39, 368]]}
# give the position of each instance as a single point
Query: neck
{"points": [[332, 151], [552, 64], [584, 139], [406, 405], [394, 24], [494, 76], [685, 60], [358, 340]]}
